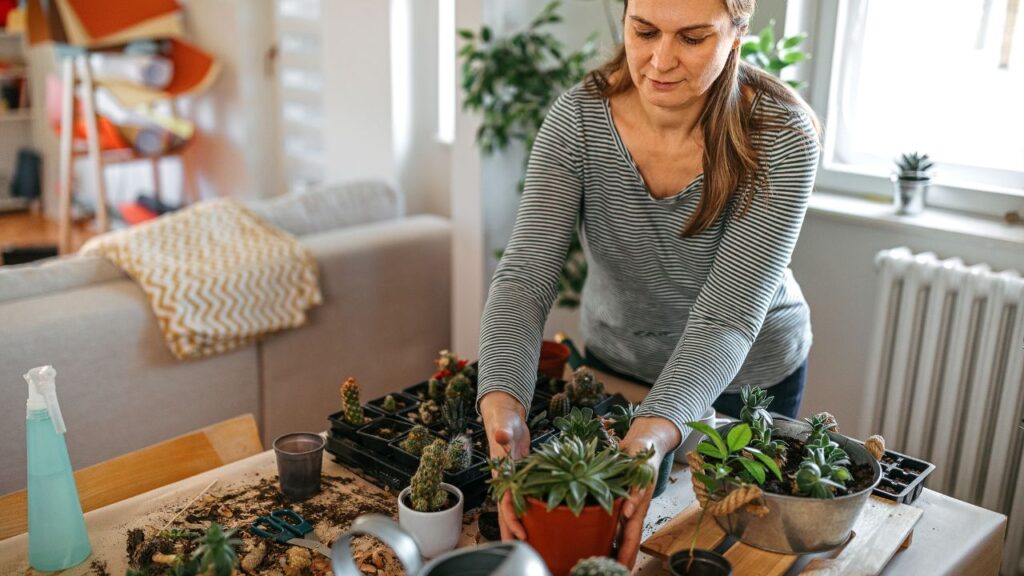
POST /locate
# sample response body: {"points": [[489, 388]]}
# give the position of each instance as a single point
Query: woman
{"points": [[690, 172]]}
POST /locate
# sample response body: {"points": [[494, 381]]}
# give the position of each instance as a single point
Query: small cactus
{"points": [[598, 566], [429, 412], [389, 404], [559, 405], [454, 415], [350, 405], [460, 388], [427, 495], [417, 439], [435, 388], [584, 390], [459, 454]]}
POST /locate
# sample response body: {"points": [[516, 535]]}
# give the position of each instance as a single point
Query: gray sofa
{"points": [[386, 313]]}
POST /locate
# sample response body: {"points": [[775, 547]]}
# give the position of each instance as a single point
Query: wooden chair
{"points": [[147, 468]]}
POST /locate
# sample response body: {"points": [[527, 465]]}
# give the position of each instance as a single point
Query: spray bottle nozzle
{"points": [[42, 393]]}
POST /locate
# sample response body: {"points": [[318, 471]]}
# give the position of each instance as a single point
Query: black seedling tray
{"points": [[902, 477], [369, 438], [411, 403], [346, 430], [472, 481]]}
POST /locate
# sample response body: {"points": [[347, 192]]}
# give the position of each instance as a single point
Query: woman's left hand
{"points": [[645, 432]]}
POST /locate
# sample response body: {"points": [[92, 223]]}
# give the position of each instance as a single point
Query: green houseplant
{"points": [[911, 182], [774, 56], [569, 494]]}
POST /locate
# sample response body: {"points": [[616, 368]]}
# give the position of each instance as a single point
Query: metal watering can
{"points": [[495, 559]]}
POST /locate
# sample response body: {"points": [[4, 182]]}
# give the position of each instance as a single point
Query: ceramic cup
{"points": [[695, 437], [300, 457]]}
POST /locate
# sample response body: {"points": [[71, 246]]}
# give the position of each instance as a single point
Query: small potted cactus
{"points": [[569, 494], [911, 182], [429, 509], [353, 414], [585, 390], [394, 404], [409, 447], [598, 566]]}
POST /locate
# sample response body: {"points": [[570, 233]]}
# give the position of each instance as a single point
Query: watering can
{"points": [[494, 559]]}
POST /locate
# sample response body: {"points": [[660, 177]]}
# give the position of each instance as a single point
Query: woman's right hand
{"points": [[507, 435]]}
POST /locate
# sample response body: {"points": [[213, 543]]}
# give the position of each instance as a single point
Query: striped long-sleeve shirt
{"points": [[693, 316]]}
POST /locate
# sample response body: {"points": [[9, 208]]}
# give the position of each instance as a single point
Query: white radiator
{"points": [[946, 378]]}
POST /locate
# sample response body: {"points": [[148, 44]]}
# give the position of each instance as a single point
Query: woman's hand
{"points": [[645, 432], [507, 435]]}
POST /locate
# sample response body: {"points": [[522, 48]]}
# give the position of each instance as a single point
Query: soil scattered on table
{"points": [[341, 500]]}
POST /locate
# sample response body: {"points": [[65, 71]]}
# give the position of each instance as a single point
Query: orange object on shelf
{"points": [[109, 136]]}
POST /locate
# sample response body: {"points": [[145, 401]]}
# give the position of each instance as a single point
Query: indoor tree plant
{"points": [[430, 509], [568, 494]]}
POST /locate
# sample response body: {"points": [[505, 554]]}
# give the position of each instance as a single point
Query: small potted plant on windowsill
{"points": [[569, 494], [430, 509], [911, 182]]}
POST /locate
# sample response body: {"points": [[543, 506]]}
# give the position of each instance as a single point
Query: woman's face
{"points": [[677, 48]]}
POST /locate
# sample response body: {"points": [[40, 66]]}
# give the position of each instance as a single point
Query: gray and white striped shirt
{"points": [[693, 316]]}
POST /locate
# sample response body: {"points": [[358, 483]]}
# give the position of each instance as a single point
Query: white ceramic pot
{"points": [[691, 441], [435, 532]]}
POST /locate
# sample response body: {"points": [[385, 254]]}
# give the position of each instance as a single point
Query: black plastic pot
{"points": [[464, 476], [705, 563], [368, 434], [441, 431], [411, 403], [402, 459], [663, 473]]}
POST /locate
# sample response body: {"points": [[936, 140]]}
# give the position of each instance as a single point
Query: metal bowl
{"points": [[798, 525]]}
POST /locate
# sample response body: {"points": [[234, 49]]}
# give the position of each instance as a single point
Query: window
{"points": [[446, 71], [939, 77]]}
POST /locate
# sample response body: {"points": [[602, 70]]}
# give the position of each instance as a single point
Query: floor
{"points": [[28, 229]]}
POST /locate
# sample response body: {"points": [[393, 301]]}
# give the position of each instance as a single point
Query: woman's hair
{"points": [[730, 159]]}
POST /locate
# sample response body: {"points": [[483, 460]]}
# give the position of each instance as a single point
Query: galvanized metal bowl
{"points": [[797, 525]]}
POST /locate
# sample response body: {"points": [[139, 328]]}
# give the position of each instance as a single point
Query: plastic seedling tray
{"points": [[404, 403], [441, 431], [349, 431], [369, 435], [418, 391], [903, 477]]}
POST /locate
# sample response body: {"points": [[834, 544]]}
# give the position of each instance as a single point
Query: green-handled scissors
{"points": [[287, 527]]}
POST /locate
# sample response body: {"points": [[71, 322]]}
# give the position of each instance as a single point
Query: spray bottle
{"points": [[56, 527]]}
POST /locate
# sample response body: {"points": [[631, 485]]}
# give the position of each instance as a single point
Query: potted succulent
{"points": [[598, 566], [911, 182], [619, 419], [394, 404], [770, 484], [429, 509], [569, 494], [353, 414]]}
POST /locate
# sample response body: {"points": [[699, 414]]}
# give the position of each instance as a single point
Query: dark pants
{"points": [[787, 393]]}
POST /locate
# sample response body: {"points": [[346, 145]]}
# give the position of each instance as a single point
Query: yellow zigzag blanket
{"points": [[217, 275]]}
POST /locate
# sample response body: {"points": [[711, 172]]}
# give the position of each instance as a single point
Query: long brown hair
{"points": [[730, 160]]}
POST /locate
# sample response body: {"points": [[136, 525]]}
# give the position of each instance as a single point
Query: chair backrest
{"points": [[147, 468]]}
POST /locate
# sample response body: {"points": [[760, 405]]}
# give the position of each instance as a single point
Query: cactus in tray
{"points": [[350, 405], [459, 454], [598, 566], [460, 388], [389, 404], [559, 405], [584, 390], [453, 414], [416, 440], [429, 412], [435, 388], [914, 167], [427, 494], [216, 552]]}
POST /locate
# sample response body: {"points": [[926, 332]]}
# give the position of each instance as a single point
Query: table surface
{"points": [[953, 537]]}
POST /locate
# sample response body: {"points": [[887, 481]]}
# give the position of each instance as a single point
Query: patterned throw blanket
{"points": [[216, 275]]}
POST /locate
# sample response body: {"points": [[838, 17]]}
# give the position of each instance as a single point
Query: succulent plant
{"points": [[571, 471], [435, 388], [822, 472], [621, 417], [598, 566], [914, 166], [351, 407], [581, 423], [216, 552], [584, 390], [539, 423], [460, 388], [429, 412], [389, 404], [427, 495], [755, 405], [459, 454], [559, 405], [416, 440], [762, 432]]}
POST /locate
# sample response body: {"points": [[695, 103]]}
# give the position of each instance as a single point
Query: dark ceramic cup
{"points": [[299, 461]]}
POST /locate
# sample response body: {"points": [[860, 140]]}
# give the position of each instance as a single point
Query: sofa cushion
{"points": [[55, 275], [331, 207]]}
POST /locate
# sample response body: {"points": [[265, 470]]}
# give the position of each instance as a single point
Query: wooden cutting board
{"points": [[882, 529]]}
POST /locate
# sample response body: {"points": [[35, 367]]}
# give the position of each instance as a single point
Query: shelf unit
{"points": [[15, 123]]}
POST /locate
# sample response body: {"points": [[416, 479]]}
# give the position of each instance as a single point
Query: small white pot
{"points": [[435, 532]]}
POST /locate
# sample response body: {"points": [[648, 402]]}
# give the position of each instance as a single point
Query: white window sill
{"points": [[880, 214]]}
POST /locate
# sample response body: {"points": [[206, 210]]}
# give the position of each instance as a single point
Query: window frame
{"points": [[826, 19]]}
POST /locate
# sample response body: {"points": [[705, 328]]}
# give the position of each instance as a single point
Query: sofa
{"points": [[385, 280]]}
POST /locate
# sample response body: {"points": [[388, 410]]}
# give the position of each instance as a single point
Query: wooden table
{"points": [[952, 537]]}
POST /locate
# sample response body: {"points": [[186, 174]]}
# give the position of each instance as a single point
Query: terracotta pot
{"points": [[563, 539], [553, 357]]}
